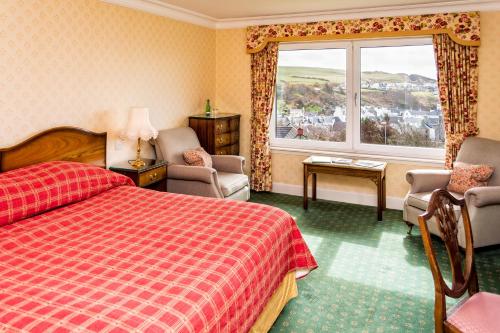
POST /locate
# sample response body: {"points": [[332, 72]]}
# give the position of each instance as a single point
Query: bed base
{"points": [[282, 295]]}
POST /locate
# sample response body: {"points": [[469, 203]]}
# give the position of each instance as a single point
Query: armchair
{"points": [[224, 180], [483, 202]]}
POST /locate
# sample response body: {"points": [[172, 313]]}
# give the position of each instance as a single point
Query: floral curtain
{"points": [[458, 85], [463, 28], [263, 65]]}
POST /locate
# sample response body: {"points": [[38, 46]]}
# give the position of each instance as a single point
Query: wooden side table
{"points": [[152, 176], [375, 174]]}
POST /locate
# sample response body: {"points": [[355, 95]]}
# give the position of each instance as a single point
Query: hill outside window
{"points": [[368, 97]]}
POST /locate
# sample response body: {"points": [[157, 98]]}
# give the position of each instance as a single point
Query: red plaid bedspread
{"points": [[130, 259]]}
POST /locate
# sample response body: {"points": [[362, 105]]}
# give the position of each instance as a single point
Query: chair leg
{"points": [[410, 226]]}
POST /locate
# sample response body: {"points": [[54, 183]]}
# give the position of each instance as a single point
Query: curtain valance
{"points": [[463, 28]]}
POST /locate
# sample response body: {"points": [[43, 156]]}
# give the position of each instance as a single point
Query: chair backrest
{"points": [[476, 150], [171, 143], [441, 209]]}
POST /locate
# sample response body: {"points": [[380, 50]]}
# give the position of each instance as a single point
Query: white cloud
{"points": [[407, 59], [326, 58]]}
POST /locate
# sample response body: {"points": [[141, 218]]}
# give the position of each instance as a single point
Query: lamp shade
{"points": [[139, 126]]}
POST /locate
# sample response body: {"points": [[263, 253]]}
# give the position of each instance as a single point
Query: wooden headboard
{"points": [[56, 144]]}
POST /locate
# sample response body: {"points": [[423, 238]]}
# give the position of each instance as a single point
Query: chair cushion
{"points": [[197, 157], [231, 182], [476, 150], [479, 313], [421, 200], [466, 176]]}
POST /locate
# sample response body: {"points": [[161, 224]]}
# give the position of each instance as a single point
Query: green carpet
{"points": [[372, 277]]}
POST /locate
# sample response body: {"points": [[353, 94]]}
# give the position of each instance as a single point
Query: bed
{"points": [[82, 249]]}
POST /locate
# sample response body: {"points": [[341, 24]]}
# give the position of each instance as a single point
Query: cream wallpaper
{"points": [[233, 94], [489, 77], [85, 63], [232, 84]]}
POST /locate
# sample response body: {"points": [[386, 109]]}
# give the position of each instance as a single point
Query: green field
{"points": [[310, 75], [315, 75]]}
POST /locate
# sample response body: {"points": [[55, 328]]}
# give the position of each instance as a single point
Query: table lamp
{"points": [[139, 128]]}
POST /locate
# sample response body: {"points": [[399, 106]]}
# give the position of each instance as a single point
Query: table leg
{"points": [[384, 194], [306, 178], [314, 180], [380, 202]]}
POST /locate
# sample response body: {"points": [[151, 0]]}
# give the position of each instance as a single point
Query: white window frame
{"points": [[315, 144], [353, 143]]}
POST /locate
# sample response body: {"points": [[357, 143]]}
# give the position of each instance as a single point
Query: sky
{"points": [[407, 59]]}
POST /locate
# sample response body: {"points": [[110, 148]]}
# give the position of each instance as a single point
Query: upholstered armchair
{"points": [[224, 180], [483, 202]]}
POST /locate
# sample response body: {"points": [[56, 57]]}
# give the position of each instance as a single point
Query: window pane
{"points": [[399, 97], [311, 95]]}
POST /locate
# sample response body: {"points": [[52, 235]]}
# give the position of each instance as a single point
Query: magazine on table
{"points": [[368, 164], [339, 160], [321, 159], [328, 159]]}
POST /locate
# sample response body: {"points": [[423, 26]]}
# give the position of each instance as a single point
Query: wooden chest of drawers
{"points": [[218, 134]]}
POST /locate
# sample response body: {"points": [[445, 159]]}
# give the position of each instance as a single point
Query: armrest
{"points": [[483, 196], [427, 180], [197, 173], [228, 163]]}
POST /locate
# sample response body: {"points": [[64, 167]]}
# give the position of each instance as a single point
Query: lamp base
{"points": [[137, 163]]}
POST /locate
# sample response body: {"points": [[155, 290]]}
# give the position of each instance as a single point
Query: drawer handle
{"points": [[220, 140], [153, 176]]}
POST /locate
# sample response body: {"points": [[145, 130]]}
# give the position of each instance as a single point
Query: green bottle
{"points": [[208, 109]]}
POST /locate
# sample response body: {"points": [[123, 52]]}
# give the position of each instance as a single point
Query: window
{"points": [[372, 97]]}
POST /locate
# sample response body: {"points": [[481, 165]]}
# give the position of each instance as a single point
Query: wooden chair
{"points": [[481, 311]]}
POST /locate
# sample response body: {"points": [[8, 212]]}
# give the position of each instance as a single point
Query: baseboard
{"points": [[332, 195]]}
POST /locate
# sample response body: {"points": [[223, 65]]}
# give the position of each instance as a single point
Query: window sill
{"points": [[353, 155]]}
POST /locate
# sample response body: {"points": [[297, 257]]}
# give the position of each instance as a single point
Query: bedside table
{"points": [[152, 176]]}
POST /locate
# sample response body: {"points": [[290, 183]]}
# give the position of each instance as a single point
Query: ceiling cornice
{"points": [[170, 11], [181, 14]]}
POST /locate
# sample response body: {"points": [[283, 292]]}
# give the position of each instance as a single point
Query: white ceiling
{"points": [[234, 9]]}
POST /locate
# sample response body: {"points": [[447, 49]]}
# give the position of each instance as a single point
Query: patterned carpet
{"points": [[372, 277]]}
